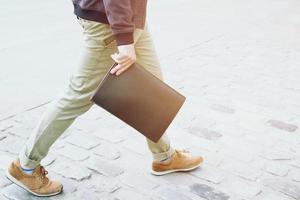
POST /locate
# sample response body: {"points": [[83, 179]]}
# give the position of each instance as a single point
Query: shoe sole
{"points": [[174, 170], [18, 183]]}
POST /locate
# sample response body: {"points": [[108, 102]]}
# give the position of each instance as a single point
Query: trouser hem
{"points": [[27, 162], [163, 155]]}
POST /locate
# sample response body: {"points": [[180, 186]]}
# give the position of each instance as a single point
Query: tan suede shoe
{"points": [[37, 184], [181, 160]]}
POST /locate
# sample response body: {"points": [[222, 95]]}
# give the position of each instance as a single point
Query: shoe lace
{"points": [[44, 173], [181, 151]]}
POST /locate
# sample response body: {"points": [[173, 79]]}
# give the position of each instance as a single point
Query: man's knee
{"points": [[76, 96]]}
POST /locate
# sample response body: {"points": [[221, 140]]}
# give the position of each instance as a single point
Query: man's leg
{"points": [[62, 112], [74, 101], [165, 158], [147, 57]]}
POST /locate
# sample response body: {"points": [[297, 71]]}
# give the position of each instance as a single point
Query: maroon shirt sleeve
{"points": [[120, 14]]}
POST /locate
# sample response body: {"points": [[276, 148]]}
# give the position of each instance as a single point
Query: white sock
{"points": [[165, 160], [27, 170]]}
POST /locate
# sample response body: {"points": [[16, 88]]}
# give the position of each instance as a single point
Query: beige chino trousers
{"points": [[74, 100]]}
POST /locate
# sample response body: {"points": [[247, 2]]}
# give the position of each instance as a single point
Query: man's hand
{"points": [[125, 58]]}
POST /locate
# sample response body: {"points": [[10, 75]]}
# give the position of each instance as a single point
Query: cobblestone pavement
{"points": [[237, 63]]}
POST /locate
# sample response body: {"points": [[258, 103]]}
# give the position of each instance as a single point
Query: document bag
{"points": [[139, 99]]}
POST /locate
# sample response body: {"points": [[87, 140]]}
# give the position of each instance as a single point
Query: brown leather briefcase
{"points": [[139, 99]]}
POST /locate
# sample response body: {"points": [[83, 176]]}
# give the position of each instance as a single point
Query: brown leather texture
{"points": [[37, 182], [179, 160], [139, 99]]}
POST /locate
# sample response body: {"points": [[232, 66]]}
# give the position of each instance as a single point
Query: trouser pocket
{"points": [[98, 34]]}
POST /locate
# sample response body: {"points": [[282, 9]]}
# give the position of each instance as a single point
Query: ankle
{"points": [[26, 170], [164, 160]]}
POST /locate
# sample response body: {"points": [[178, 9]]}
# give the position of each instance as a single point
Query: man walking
{"points": [[109, 26]]}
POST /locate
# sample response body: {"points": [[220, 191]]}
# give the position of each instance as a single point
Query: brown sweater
{"points": [[122, 15]]}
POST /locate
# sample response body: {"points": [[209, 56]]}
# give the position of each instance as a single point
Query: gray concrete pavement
{"points": [[236, 62]]}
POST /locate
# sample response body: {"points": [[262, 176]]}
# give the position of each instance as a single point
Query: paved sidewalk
{"points": [[237, 63]]}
